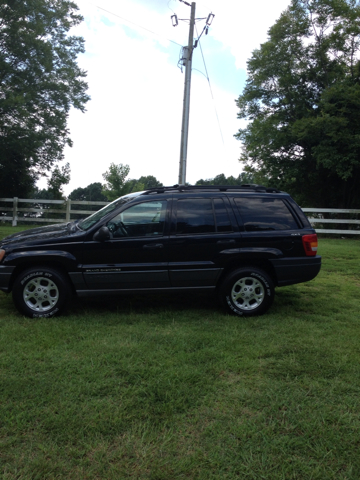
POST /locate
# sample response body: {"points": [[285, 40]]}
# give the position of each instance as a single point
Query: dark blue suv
{"points": [[241, 242]]}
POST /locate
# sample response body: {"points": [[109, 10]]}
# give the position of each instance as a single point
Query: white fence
{"points": [[65, 213], [41, 207], [316, 216]]}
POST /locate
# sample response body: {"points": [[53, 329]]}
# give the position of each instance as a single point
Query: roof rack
{"points": [[221, 188]]}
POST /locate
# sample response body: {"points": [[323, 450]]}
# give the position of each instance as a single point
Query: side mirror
{"points": [[102, 234]]}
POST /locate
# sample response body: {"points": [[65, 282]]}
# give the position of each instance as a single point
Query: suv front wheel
{"points": [[247, 291], [40, 292]]}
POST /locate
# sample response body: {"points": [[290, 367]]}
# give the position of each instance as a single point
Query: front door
{"points": [[135, 255]]}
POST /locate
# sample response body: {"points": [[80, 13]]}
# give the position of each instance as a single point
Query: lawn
{"points": [[172, 388]]}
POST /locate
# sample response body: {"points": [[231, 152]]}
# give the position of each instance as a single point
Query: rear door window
{"points": [[223, 223], [202, 215], [195, 216]]}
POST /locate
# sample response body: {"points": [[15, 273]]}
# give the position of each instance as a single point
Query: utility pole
{"points": [[186, 101], [186, 61]]}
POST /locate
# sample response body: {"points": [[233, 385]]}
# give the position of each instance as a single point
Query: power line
{"points": [[133, 23], [208, 79], [168, 5]]}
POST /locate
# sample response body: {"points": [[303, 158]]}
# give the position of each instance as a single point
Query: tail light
{"points": [[310, 243]]}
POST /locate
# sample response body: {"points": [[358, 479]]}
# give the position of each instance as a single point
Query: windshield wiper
{"points": [[73, 226]]}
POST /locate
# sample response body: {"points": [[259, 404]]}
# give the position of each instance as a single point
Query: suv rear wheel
{"points": [[247, 291], [40, 292]]}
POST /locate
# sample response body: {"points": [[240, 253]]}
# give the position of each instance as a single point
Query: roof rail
{"points": [[221, 188]]}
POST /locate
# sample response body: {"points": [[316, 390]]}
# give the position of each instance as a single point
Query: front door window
{"points": [[145, 219]]}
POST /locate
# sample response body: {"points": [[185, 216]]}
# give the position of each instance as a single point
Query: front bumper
{"points": [[296, 270]]}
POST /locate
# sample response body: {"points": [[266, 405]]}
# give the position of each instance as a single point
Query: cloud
{"points": [[136, 88], [243, 26]]}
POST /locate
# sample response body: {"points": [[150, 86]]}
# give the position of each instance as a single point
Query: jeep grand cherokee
{"points": [[241, 242]]}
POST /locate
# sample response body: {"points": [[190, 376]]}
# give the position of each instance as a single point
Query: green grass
{"points": [[170, 387]]}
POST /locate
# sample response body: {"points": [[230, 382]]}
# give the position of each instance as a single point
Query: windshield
{"points": [[88, 222]]}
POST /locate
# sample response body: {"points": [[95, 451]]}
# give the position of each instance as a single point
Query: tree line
{"points": [[117, 184], [301, 103]]}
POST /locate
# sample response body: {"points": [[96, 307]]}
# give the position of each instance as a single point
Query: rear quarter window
{"points": [[260, 214]]}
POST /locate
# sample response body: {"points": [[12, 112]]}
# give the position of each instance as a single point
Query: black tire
{"points": [[248, 291], [41, 292]]}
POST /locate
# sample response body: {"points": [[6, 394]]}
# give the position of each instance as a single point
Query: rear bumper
{"points": [[296, 270], [5, 276]]}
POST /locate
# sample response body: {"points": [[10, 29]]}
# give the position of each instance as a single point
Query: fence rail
{"points": [[35, 214], [322, 213]]}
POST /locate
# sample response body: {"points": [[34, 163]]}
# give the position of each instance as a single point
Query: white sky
{"points": [[134, 115]]}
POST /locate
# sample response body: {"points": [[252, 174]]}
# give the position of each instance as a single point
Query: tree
{"points": [[92, 192], [115, 179], [39, 82], [149, 181], [302, 101], [143, 183], [243, 178], [117, 185], [59, 178]]}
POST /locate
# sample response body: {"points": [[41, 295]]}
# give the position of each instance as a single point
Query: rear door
{"points": [[201, 229]]}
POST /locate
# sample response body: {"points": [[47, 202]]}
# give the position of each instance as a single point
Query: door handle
{"points": [[153, 246], [225, 241]]}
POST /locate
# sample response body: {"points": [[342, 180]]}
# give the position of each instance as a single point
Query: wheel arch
{"points": [[262, 264], [45, 262]]}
